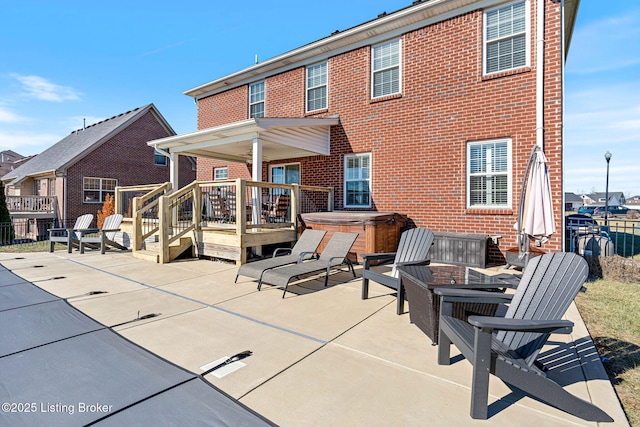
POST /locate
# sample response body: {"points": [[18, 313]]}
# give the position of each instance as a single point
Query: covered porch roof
{"points": [[278, 139]]}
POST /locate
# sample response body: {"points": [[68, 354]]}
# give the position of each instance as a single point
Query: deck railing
{"points": [[32, 204], [240, 206]]}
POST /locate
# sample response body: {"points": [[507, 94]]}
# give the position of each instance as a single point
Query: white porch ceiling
{"points": [[281, 138]]}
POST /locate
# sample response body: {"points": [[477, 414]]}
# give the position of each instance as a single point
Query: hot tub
{"points": [[377, 231]]}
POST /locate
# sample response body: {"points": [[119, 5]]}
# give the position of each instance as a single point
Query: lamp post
{"points": [[607, 157]]}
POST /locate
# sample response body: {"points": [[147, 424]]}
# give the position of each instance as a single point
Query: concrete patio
{"points": [[321, 356]]}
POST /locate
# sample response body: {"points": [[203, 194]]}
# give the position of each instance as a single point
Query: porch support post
{"points": [[174, 173], [256, 176]]}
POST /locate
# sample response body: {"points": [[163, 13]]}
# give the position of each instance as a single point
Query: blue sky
{"points": [[62, 62]]}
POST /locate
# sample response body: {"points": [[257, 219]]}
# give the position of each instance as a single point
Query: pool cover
{"points": [[58, 367]]}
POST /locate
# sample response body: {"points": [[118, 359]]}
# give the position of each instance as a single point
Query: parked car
{"points": [[586, 210], [613, 211]]}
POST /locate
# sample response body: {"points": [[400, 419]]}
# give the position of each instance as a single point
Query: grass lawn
{"points": [[610, 310]]}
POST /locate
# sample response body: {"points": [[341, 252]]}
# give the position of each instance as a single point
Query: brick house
{"points": [[430, 111], [77, 172]]}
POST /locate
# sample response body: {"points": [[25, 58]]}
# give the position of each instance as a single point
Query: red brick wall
{"points": [[126, 157], [418, 140]]}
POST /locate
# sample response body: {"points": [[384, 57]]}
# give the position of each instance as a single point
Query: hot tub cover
{"points": [[349, 218], [60, 367]]}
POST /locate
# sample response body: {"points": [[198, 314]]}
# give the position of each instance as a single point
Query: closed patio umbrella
{"points": [[535, 212]]}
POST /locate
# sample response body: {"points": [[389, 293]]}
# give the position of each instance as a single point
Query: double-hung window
{"points": [[94, 190], [256, 100], [489, 174], [317, 87], [506, 39], [220, 174], [357, 180], [385, 69]]}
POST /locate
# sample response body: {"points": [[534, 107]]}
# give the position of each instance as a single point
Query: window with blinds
{"points": [[256, 100], [385, 69], [317, 87], [489, 174], [506, 45]]}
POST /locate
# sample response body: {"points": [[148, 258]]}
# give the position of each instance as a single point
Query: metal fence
{"points": [[623, 234], [25, 233]]}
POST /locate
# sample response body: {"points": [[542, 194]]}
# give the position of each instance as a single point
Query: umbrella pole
{"points": [[523, 240]]}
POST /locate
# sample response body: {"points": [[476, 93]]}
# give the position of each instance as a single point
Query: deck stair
{"points": [[151, 252]]}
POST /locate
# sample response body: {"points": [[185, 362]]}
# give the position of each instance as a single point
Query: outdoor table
{"points": [[424, 305]]}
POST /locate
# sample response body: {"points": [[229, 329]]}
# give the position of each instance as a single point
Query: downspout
{"points": [[540, 74], [562, 85]]}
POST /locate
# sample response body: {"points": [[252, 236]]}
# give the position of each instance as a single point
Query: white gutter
{"points": [[540, 74]]}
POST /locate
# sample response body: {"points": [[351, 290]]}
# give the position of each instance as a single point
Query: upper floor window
{"points": [[317, 87], [256, 100], [357, 180], [506, 43], [94, 190], [220, 174], [385, 68], [159, 159], [489, 174]]}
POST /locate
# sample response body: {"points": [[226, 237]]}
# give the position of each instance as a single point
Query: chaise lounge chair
{"points": [[104, 237], [547, 288], [305, 248], [333, 255], [68, 236], [413, 248]]}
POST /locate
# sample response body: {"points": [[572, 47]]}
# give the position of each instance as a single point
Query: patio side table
{"points": [[424, 305]]}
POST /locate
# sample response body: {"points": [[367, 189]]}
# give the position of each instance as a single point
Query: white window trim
{"points": [[527, 8], [400, 70], [264, 99], [509, 174], [306, 82], [284, 165], [225, 168], [159, 155], [344, 184], [100, 190]]}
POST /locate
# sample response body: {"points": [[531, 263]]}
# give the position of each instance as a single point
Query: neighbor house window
{"points": [[220, 174], [256, 100], [94, 190], [506, 43], [159, 159], [489, 174], [385, 68], [357, 180], [317, 87]]}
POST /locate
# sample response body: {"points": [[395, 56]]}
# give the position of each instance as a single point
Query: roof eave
{"points": [[387, 26]]}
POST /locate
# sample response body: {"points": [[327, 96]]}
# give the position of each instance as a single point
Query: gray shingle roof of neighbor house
{"points": [[572, 197], [78, 144]]}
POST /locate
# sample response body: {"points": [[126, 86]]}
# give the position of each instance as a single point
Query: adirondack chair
{"points": [[508, 347], [101, 237], [68, 236], [333, 255], [413, 248], [304, 248]]}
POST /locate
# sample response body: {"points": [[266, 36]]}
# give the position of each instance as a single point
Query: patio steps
{"points": [[152, 251]]}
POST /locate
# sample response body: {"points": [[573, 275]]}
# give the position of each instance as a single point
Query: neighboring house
{"points": [[616, 198], [633, 201], [430, 111], [572, 202], [9, 160], [74, 176]]}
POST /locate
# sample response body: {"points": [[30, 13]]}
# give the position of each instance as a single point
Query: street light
{"points": [[607, 157]]}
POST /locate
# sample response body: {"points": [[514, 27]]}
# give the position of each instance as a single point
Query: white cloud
{"points": [[40, 88], [27, 143], [7, 116]]}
